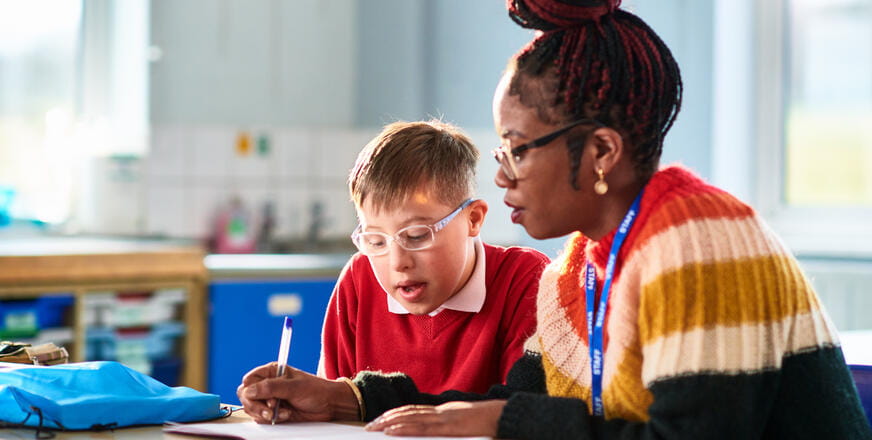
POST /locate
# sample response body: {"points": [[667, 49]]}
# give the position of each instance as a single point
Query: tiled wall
{"points": [[192, 170]]}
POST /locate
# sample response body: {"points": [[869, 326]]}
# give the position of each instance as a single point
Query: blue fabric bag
{"points": [[95, 395]]}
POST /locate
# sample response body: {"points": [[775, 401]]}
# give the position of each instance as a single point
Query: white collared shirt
{"points": [[470, 298]]}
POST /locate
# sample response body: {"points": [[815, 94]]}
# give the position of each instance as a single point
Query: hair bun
{"points": [[548, 15]]}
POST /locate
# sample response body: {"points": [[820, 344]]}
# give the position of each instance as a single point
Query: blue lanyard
{"points": [[595, 323]]}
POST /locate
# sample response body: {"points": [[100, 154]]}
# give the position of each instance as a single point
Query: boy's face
{"points": [[424, 279]]}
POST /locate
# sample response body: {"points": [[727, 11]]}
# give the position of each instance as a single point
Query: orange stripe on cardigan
{"points": [[696, 207]]}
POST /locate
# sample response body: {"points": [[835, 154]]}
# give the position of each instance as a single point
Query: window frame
{"points": [[808, 231]]}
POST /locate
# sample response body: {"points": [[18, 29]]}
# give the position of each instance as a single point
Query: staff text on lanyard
{"points": [[596, 320]]}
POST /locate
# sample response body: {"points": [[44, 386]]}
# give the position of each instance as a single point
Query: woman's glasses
{"points": [[410, 238], [507, 157]]}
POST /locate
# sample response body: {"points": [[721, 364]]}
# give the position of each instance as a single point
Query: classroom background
{"points": [[172, 172]]}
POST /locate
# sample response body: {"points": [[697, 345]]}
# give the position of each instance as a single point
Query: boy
{"points": [[424, 296]]}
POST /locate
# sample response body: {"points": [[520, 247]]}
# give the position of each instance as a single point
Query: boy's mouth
{"points": [[411, 291]]}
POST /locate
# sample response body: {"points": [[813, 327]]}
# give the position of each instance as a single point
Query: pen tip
{"points": [[289, 322]]}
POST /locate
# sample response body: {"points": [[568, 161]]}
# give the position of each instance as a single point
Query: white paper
{"points": [[286, 431]]}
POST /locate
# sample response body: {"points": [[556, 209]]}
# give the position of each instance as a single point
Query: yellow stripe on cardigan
{"points": [[560, 385], [624, 395], [757, 290]]}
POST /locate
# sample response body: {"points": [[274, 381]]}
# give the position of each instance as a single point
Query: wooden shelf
{"points": [[82, 266]]}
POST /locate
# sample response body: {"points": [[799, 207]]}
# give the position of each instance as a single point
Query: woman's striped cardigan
{"points": [[711, 329], [712, 332]]}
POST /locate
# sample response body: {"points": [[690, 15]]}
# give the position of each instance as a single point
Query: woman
{"points": [[672, 313]]}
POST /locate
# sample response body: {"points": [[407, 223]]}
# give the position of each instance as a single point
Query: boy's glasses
{"points": [[410, 238], [507, 157]]}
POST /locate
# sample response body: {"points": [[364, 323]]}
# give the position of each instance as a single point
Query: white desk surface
{"points": [[140, 433], [857, 346]]}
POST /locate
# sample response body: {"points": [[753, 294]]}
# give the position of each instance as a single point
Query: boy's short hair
{"points": [[409, 156]]}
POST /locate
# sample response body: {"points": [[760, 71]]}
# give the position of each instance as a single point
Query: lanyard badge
{"points": [[596, 320]]}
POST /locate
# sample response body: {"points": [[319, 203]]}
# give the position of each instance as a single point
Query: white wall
{"points": [[254, 62], [320, 78]]}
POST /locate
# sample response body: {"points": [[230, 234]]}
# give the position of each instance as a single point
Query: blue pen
{"points": [[284, 349]]}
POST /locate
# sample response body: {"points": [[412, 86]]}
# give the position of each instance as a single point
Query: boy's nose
{"points": [[401, 259]]}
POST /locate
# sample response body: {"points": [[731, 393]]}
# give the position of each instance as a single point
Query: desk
{"points": [[141, 433], [857, 346]]}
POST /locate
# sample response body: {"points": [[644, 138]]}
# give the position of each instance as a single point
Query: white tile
{"points": [[293, 152], [336, 151], [213, 149], [165, 209], [170, 152], [252, 167]]}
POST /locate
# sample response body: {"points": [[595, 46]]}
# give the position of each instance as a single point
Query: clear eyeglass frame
{"points": [[410, 238]]}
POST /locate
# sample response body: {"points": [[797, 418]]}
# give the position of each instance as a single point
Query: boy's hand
{"points": [[449, 419], [304, 397]]}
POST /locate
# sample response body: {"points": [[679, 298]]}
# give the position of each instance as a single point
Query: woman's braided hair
{"points": [[600, 62]]}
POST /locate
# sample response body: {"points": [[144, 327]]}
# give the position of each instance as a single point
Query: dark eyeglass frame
{"points": [[507, 161]]}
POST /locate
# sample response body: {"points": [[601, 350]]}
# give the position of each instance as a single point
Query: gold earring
{"points": [[600, 187]]}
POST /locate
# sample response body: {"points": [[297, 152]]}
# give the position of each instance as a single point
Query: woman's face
{"points": [[542, 197]]}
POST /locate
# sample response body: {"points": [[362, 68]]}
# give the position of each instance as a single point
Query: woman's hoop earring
{"points": [[601, 187]]}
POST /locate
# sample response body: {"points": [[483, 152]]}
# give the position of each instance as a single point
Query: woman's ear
{"points": [[477, 213], [608, 147]]}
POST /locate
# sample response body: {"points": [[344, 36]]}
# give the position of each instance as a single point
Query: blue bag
{"points": [[95, 395]]}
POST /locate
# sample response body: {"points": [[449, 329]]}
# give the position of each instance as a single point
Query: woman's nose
{"points": [[501, 180]]}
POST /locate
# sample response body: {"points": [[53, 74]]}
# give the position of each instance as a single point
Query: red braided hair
{"points": [[610, 66], [563, 14]]}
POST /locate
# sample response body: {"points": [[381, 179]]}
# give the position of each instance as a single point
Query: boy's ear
{"points": [[477, 213]]}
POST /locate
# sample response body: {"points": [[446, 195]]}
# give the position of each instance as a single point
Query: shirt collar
{"points": [[470, 298]]}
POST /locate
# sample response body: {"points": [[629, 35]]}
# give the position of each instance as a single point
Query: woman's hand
{"points": [[303, 397], [449, 419]]}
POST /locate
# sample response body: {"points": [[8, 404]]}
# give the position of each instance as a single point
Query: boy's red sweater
{"points": [[450, 351]]}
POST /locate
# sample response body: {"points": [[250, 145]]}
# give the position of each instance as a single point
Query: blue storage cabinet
{"points": [[24, 318], [245, 327]]}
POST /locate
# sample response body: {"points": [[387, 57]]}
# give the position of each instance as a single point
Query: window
{"points": [[828, 110], [814, 123], [73, 86], [38, 67]]}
